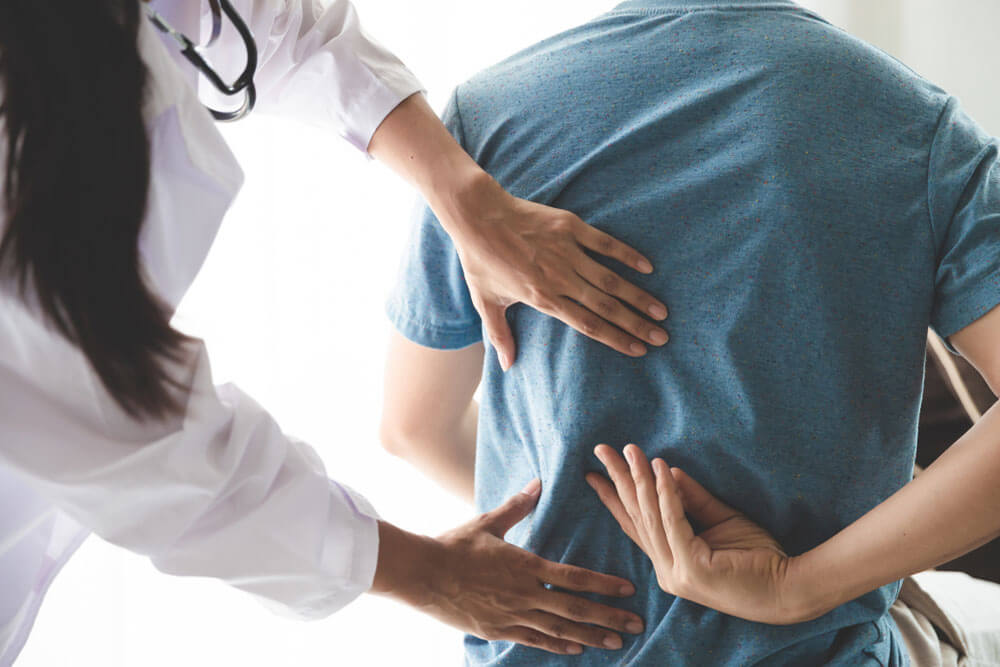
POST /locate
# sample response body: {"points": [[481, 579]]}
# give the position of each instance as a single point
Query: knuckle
{"points": [[565, 223], [590, 326], [576, 611], [535, 637], [559, 630], [610, 283], [483, 630], [529, 563], [579, 578], [545, 304], [605, 245], [607, 307]]}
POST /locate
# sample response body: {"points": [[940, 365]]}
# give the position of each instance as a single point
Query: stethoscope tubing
{"points": [[244, 84]]}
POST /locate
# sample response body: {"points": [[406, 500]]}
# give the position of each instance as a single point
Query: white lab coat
{"points": [[219, 491]]}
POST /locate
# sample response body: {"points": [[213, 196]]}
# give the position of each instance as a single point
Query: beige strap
{"points": [[954, 377]]}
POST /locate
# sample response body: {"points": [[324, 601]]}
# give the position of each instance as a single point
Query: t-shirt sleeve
{"points": [[964, 200], [430, 303]]}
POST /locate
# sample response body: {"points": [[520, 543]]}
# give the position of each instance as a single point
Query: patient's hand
{"points": [[733, 566], [473, 580]]}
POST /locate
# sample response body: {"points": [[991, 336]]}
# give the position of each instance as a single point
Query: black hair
{"points": [[72, 86]]}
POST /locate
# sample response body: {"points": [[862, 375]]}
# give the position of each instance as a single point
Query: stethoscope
{"points": [[244, 84]]}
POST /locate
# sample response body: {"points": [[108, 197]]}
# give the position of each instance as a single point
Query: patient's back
{"points": [[795, 189]]}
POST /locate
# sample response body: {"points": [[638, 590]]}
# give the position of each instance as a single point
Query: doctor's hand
{"points": [[733, 565], [516, 251], [473, 580]]}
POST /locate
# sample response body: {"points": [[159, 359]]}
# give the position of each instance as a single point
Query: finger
{"points": [[499, 333], [580, 610], [613, 311], [606, 492], [678, 529], [512, 512], [620, 475], [611, 283], [605, 244], [582, 580], [591, 325], [705, 508], [536, 639], [562, 628], [649, 504]]}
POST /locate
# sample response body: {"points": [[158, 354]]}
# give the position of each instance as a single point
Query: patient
{"points": [[813, 206]]}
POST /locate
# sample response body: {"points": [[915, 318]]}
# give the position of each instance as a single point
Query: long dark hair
{"points": [[77, 178]]}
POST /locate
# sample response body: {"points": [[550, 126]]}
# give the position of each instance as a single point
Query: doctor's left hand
{"points": [[517, 251], [473, 580]]}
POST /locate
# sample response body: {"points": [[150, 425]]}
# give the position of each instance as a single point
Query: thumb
{"points": [[705, 508], [499, 333], [508, 515]]}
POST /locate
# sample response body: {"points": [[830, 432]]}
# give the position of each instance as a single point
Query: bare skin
{"points": [[736, 567], [473, 580], [516, 251]]}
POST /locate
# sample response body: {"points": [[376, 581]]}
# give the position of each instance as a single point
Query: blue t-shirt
{"points": [[811, 207]]}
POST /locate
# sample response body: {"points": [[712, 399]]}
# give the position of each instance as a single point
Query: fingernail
{"points": [[637, 349], [659, 337], [634, 627], [613, 641], [504, 362], [645, 266], [627, 590], [574, 649], [533, 489], [658, 311], [629, 455]]}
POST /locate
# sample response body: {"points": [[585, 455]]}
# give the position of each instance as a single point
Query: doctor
{"points": [[115, 183]]}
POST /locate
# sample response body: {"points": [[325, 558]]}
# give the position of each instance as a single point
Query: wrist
{"points": [[406, 565], [462, 196], [808, 591]]}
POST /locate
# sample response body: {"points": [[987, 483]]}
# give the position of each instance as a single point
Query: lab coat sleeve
{"points": [[218, 492], [317, 64]]}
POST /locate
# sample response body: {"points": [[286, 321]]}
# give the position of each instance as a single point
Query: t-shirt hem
{"points": [[432, 335], [976, 303]]}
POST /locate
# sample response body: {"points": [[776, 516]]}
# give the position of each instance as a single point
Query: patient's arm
{"points": [[736, 567], [428, 413], [950, 509]]}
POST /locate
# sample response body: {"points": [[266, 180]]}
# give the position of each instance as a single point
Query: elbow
{"points": [[396, 439]]}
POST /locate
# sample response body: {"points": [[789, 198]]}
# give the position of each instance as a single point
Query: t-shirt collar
{"points": [[682, 5]]}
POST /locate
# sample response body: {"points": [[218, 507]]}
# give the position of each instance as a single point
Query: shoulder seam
{"points": [[930, 157]]}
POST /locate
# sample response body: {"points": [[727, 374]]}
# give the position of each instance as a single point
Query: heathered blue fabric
{"points": [[811, 206]]}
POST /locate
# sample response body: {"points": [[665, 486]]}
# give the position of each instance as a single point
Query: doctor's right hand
{"points": [[473, 580]]}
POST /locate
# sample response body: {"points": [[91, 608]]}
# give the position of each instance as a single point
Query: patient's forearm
{"points": [[446, 455], [950, 509]]}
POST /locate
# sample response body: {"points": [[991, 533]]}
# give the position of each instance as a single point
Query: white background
{"points": [[290, 303]]}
